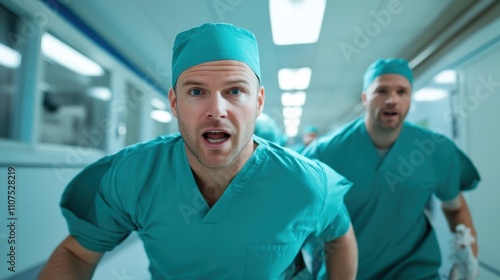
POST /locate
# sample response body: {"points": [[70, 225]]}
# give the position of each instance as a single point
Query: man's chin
{"points": [[391, 125], [214, 163]]}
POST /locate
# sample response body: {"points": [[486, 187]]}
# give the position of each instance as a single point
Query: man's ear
{"points": [[172, 98], [261, 100], [363, 98]]}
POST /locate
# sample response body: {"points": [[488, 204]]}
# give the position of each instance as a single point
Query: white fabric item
{"points": [[465, 264]]}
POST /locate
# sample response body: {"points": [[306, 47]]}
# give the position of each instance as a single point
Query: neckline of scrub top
{"points": [[213, 215], [385, 160], [368, 142]]}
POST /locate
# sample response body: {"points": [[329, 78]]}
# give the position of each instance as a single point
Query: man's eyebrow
{"points": [[389, 86], [229, 82], [237, 81], [192, 83]]}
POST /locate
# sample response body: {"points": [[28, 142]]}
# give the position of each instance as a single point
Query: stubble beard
{"points": [[209, 160], [390, 127]]}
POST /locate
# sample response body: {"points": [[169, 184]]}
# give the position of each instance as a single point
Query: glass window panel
{"points": [[75, 103], [161, 116], [133, 114], [160, 128], [10, 59]]}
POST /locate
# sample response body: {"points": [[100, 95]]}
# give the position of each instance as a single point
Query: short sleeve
{"points": [[462, 176], [334, 216], [92, 213], [334, 220], [311, 150]]}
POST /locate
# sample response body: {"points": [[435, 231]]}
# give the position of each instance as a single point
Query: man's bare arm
{"points": [[70, 260], [457, 212], [342, 256]]}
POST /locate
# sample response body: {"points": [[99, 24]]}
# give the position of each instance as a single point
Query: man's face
{"points": [[309, 137], [387, 101], [216, 104]]}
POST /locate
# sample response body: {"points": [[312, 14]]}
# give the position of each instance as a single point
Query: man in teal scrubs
{"points": [[308, 135], [395, 167], [212, 202], [267, 128]]}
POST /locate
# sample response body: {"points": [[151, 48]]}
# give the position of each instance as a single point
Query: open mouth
{"points": [[216, 137], [390, 114]]}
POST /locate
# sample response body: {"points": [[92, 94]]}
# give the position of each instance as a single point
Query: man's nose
{"points": [[392, 98], [217, 107]]}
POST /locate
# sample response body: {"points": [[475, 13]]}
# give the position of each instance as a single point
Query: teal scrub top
{"points": [[389, 194], [254, 231]]}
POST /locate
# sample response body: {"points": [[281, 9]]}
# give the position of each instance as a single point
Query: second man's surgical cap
{"points": [[211, 42], [387, 66]]}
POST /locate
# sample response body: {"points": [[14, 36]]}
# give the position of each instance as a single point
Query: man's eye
{"points": [[195, 92], [234, 91]]}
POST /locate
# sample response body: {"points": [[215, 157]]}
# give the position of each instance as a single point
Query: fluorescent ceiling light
{"points": [[9, 57], [296, 21], [161, 116], [292, 122], [158, 104], [292, 112], [446, 77], [429, 94], [101, 93], [68, 57], [289, 99], [291, 131], [294, 79], [122, 130]]}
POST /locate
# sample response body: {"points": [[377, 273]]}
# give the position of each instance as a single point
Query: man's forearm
{"points": [[461, 215], [342, 256], [63, 264], [70, 260]]}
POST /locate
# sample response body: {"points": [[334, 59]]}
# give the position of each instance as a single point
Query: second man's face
{"points": [[217, 104], [387, 101]]}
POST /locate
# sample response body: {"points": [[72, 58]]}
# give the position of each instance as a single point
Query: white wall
{"points": [[39, 226], [481, 112]]}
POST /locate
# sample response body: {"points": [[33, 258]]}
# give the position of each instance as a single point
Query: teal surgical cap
{"points": [[267, 128], [311, 129], [211, 42], [387, 66]]}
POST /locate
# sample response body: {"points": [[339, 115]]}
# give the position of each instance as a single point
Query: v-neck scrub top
{"points": [[254, 231], [389, 193]]}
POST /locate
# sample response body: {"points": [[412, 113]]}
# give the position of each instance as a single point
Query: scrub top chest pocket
{"points": [[270, 261]]}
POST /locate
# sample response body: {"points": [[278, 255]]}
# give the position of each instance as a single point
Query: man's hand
{"points": [[465, 264]]}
